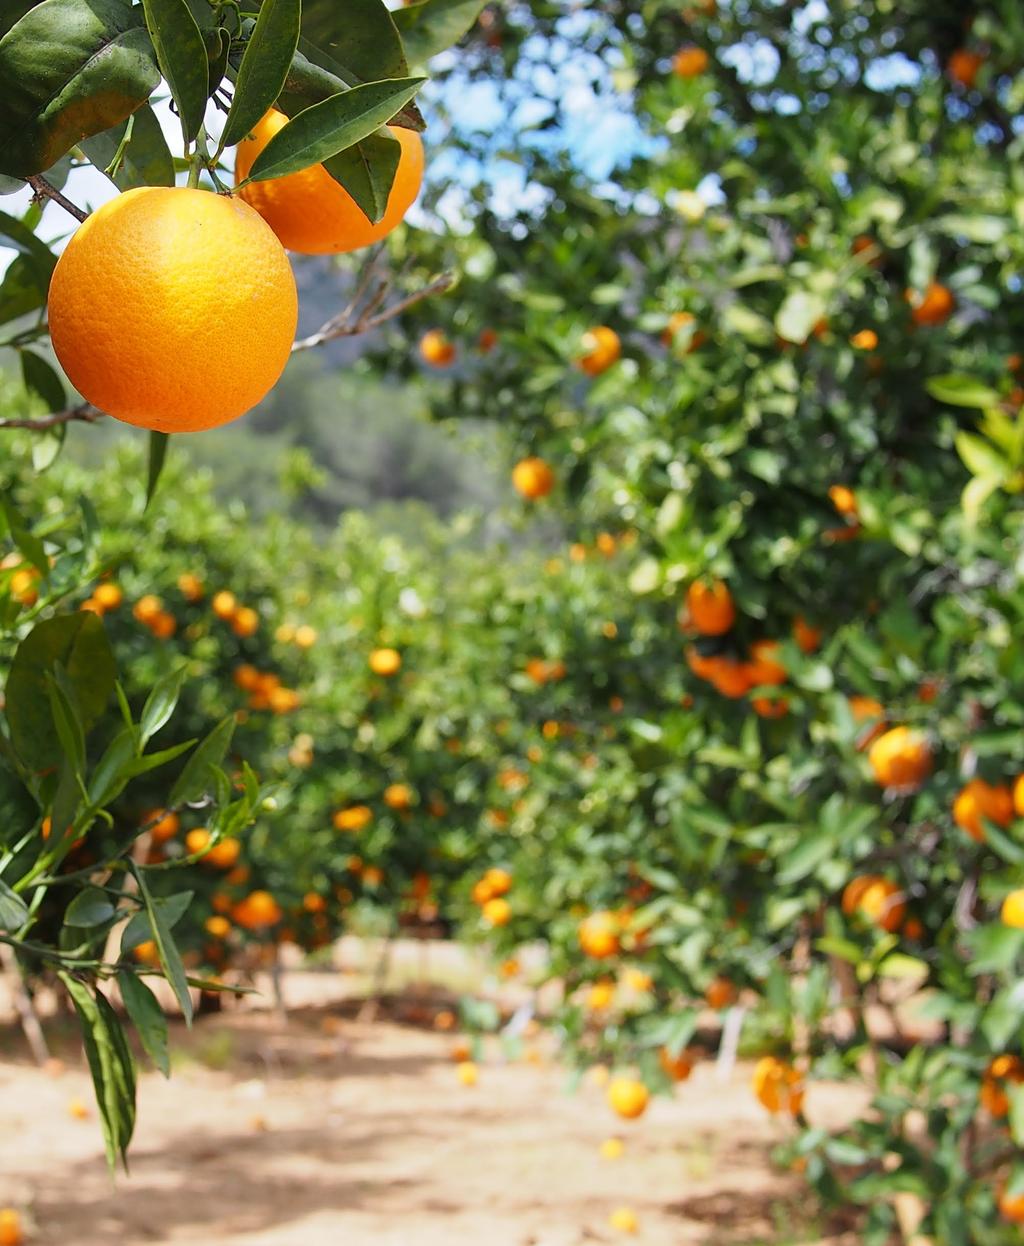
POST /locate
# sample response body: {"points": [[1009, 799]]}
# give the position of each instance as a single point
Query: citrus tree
{"points": [[172, 307], [782, 350]]}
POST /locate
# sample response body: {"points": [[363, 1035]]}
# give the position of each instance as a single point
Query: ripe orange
{"points": [[677, 1067], [305, 637], [628, 1097], [730, 678], [778, 1086], [224, 605], [397, 796], [191, 586], [487, 341], [843, 499], [601, 995], [165, 826], [245, 622], [354, 818], [173, 309], [10, 1228], [497, 911], [808, 638], [612, 1148], [258, 910], [679, 321], [934, 306], [901, 759], [385, 662], [878, 899], [499, 881], [623, 1219], [864, 339], [436, 350], [533, 478], [978, 800], [1018, 796], [689, 62], [963, 65], [711, 607], [599, 935], [720, 994], [309, 211], [764, 668], [1011, 1207], [147, 608], [108, 596], [1001, 1069], [217, 926], [602, 348], [467, 1073], [1012, 912]]}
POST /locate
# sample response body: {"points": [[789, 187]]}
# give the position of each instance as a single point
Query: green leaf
{"points": [[67, 723], [111, 1065], [18, 811], [147, 1017], [140, 929], [264, 68], [976, 493], [196, 779], [41, 379], [79, 643], [27, 542], [1016, 1114], [91, 907], [70, 69], [170, 957], [329, 127], [181, 55], [845, 949], [799, 313], [158, 443], [145, 160], [152, 761], [160, 703], [13, 910], [38, 257], [961, 391], [806, 857], [111, 774], [433, 25], [367, 171], [980, 457], [361, 37]]}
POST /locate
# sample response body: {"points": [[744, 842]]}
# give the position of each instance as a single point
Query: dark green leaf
{"points": [[151, 761], [91, 907], [433, 25], [361, 37], [147, 1017], [140, 928], [197, 778], [13, 910], [327, 128], [41, 379], [181, 55], [18, 811], [264, 68], [111, 774], [80, 644], [160, 703], [170, 957], [69, 69], [27, 542], [367, 172], [158, 443]]}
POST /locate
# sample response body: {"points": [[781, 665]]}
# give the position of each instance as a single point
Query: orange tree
{"points": [[173, 308], [774, 378]]}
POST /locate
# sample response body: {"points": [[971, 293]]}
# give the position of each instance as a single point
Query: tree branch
{"points": [[348, 324], [85, 412], [43, 190]]}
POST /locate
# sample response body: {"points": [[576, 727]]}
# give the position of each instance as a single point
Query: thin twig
{"points": [[85, 412], [43, 190], [344, 326]]}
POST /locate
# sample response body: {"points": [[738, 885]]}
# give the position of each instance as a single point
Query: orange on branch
{"points": [[533, 478], [309, 211]]}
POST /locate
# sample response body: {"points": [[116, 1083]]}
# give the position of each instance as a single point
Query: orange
{"points": [[173, 309], [309, 211], [108, 596], [689, 62], [623, 1220], [163, 625], [601, 995], [78, 1109], [147, 953], [843, 499], [628, 1097], [612, 1148], [1011, 1207], [601, 348], [467, 1073], [533, 478], [147, 608], [219, 927], [246, 622], [808, 638], [436, 350], [864, 339], [499, 881], [962, 67], [305, 636], [487, 341], [1001, 1069], [877, 898], [354, 818], [246, 677], [313, 902], [191, 586], [385, 662], [934, 306], [10, 1228], [901, 759], [764, 668], [1018, 796], [731, 679], [258, 910], [397, 796], [162, 825], [677, 1067], [778, 1086], [481, 892], [979, 800], [1012, 912], [224, 604], [711, 607], [720, 994], [679, 321], [497, 911], [599, 935]]}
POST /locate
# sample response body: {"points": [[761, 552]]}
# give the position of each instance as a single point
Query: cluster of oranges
{"points": [[23, 584], [545, 671], [149, 611], [105, 597], [265, 690], [490, 892], [778, 1085]]}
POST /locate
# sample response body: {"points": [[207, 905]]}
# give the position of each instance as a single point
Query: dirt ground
{"points": [[327, 1129]]}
